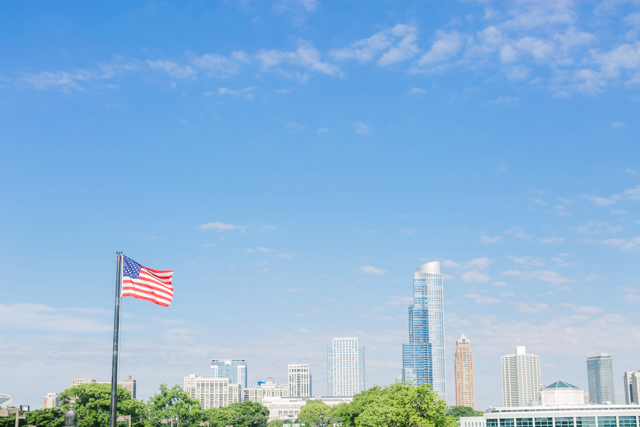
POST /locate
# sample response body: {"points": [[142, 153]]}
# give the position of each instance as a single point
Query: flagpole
{"points": [[114, 365]]}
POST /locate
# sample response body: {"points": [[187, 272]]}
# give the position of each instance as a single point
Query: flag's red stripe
{"points": [[145, 279], [146, 292], [159, 273], [144, 275], [151, 288], [146, 299]]}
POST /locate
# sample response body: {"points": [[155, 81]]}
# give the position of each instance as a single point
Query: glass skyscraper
{"points": [[345, 367], [234, 369], [423, 358], [600, 376]]}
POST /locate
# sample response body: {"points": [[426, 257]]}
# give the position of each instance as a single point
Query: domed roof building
{"points": [[561, 393]]}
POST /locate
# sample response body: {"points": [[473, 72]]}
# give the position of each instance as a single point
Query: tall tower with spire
{"points": [[423, 357], [464, 373]]}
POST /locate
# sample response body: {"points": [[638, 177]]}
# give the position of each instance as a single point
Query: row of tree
{"points": [[393, 406]]}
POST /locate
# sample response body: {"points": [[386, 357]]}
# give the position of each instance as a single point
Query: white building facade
{"points": [[345, 367], [300, 380], [561, 393], [51, 401], [557, 416], [212, 392], [521, 378], [288, 408], [266, 389]]}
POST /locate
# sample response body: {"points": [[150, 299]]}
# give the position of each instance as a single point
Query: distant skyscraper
{"points": [[234, 369], [345, 367], [521, 378], [632, 387], [80, 381], [423, 358], [600, 375], [464, 373], [300, 380], [51, 401]]}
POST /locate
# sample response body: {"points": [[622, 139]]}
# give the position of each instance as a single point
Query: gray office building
{"points": [[234, 369], [600, 375]]}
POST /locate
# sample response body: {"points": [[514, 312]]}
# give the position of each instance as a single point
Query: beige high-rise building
{"points": [[521, 378], [51, 401], [212, 392], [632, 387], [300, 380], [464, 373]]}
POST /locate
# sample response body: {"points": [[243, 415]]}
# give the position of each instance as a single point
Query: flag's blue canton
{"points": [[131, 268]]}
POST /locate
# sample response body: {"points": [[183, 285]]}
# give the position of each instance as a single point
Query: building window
{"points": [[544, 422], [524, 422], [585, 421], [492, 423], [506, 422], [627, 422], [607, 422], [564, 421]]}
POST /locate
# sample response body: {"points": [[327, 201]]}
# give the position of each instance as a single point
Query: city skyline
{"points": [[294, 163]]}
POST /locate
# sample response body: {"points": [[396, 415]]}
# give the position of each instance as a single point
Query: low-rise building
{"points": [[557, 416], [288, 408], [51, 401], [561, 393], [80, 381], [266, 389]]}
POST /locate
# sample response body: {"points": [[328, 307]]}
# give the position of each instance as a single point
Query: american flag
{"points": [[145, 283]]}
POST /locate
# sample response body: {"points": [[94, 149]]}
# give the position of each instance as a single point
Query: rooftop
{"points": [[560, 384]]}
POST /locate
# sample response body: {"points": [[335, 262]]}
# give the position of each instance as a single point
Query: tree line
{"points": [[391, 406]]}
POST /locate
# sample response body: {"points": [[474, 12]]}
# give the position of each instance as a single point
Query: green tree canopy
{"points": [[316, 413], [397, 406], [92, 403], [52, 417], [172, 403], [463, 411], [244, 414]]}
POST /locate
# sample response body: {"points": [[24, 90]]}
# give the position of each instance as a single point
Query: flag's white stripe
{"points": [[158, 279], [138, 284], [146, 295], [147, 291], [158, 274], [167, 288]]}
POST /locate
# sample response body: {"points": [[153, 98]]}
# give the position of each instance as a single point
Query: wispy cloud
{"points": [[548, 276], [491, 239], [219, 226], [361, 127], [369, 269], [482, 299]]}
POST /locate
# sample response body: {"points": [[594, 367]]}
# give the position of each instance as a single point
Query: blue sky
{"points": [[294, 162]]}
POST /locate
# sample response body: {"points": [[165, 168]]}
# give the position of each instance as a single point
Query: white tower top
{"points": [[430, 267], [520, 350]]}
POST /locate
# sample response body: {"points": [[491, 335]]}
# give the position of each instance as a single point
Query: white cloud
{"points": [[398, 44], [541, 275], [46, 318], [361, 127], [630, 171], [173, 69], [491, 240], [482, 299], [593, 277], [247, 92], [474, 276], [306, 56], [219, 226], [417, 91], [288, 255], [530, 309], [500, 284], [296, 9], [295, 127], [617, 124], [322, 130], [219, 65], [582, 310], [407, 231], [446, 46], [622, 244], [369, 269]]}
